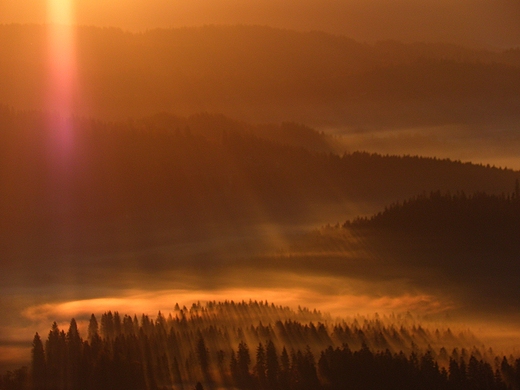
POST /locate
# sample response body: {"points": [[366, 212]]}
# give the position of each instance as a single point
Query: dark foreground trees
{"points": [[169, 353]]}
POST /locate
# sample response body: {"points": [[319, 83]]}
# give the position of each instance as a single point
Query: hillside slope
{"points": [[460, 246], [260, 73]]}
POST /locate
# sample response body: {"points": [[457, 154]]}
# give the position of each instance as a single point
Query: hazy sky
{"points": [[486, 23]]}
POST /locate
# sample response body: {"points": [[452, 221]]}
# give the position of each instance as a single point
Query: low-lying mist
{"points": [[349, 276], [494, 145]]}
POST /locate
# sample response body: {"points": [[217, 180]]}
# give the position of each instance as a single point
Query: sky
{"points": [[477, 23]]}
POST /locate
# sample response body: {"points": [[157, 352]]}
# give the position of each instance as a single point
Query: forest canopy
{"points": [[258, 345]]}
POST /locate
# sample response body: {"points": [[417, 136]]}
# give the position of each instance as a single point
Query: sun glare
{"points": [[61, 65], [60, 12]]}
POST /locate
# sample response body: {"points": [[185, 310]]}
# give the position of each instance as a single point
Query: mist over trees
{"points": [[257, 345], [128, 185]]}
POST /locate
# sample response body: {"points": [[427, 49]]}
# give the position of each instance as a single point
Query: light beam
{"points": [[61, 68]]}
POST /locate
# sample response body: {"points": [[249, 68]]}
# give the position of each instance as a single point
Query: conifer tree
{"points": [[93, 329], [272, 366], [261, 366], [243, 362], [73, 355], [38, 364]]}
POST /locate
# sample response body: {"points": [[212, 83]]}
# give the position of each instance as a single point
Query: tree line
{"points": [[458, 223], [68, 362], [195, 346], [439, 210]]}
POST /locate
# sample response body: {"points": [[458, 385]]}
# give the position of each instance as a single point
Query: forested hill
{"points": [[466, 245], [479, 228], [483, 227], [475, 216], [220, 170], [213, 126], [259, 73], [258, 345]]}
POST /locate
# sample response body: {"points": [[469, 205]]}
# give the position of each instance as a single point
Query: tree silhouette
{"points": [[272, 365], [243, 362], [203, 358], [148, 359], [74, 353], [93, 329], [260, 368], [55, 349], [38, 368]]}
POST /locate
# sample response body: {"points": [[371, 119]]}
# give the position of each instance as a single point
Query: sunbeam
{"points": [[61, 67]]}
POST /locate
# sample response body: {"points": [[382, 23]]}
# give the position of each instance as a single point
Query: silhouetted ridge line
{"points": [[439, 212], [205, 167], [476, 223], [302, 76]]}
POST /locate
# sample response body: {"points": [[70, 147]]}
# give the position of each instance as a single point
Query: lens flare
{"points": [[61, 66], [60, 12]]}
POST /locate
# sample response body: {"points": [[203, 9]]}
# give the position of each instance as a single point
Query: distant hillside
{"points": [[462, 245], [260, 74], [204, 168], [212, 126], [480, 227], [475, 216]]}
